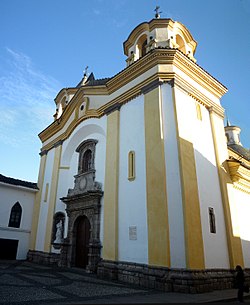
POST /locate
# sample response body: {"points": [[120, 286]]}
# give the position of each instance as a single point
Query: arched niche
{"points": [[181, 44]]}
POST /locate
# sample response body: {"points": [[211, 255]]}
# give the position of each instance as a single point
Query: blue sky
{"points": [[46, 44]]}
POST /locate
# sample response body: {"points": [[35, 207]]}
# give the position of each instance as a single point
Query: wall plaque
{"points": [[133, 233]]}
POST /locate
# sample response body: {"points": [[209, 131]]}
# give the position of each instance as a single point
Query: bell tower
{"points": [[158, 33]]}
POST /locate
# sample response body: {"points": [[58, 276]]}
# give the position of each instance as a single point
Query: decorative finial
{"points": [[157, 13], [86, 71], [227, 119]]}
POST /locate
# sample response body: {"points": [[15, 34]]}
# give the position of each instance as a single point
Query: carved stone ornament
{"points": [[84, 200]]}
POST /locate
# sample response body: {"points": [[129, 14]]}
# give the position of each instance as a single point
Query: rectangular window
{"points": [[212, 220], [46, 192], [131, 165]]}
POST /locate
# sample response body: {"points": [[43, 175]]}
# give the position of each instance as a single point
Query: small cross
{"points": [[157, 13], [86, 70]]}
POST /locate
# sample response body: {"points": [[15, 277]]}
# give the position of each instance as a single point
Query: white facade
{"points": [[9, 195], [132, 210], [174, 193], [160, 118]]}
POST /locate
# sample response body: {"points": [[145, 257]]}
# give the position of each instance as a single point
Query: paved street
{"points": [[24, 283]]}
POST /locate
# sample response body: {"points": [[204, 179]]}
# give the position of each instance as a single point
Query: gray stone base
{"points": [[43, 257], [165, 279]]}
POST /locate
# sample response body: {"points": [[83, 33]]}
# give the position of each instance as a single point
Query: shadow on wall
{"points": [[79, 136]]}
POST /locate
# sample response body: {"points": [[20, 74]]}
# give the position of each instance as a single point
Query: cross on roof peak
{"points": [[86, 71], [157, 13]]}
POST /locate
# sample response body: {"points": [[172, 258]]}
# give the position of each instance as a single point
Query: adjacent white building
{"points": [[17, 201]]}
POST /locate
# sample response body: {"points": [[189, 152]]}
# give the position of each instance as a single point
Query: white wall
{"points": [[89, 129], [215, 244], [242, 202], [199, 133], [132, 194], [174, 195], [9, 195]]}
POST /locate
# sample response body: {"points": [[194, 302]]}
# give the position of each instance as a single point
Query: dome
{"points": [[158, 33]]}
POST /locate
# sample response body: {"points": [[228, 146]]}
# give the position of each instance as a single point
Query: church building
{"points": [[139, 180]]}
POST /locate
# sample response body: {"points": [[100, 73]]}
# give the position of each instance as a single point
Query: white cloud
{"points": [[27, 100]]}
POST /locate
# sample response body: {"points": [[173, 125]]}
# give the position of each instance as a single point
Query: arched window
{"points": [[86, 152], [86, 160], [15, 215], [181, 44], [144, 48], [142, 45]]}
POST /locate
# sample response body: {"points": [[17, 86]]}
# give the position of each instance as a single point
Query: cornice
{"points": [[233, 155], [97, 113], [239, 174], [199, 75], [58, 124], [163, 56], [152, 59], [64, 91], [115, 104], [198, 96], [154, 84], [241, 188]]}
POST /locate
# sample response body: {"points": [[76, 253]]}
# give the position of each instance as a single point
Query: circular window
{"points": [[82, 107]]}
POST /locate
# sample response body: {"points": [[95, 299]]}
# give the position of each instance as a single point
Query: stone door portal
{"points": [[82, 247], [82, 242]]}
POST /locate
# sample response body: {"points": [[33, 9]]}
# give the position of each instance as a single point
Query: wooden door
{"points": [[82, 242]]}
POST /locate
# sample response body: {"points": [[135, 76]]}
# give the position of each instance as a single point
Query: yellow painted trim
{"points": [[157, 210], [37, 203], [110, 238], [198, 111], [239, 174], [190, 199], [234, 243], [156, 57], [52, 197], [193, 228], [128, 96]]}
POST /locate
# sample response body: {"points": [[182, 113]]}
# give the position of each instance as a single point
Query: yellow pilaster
{"points": [[157, 211], [52, 197], [37, 203], [110, 239], [234, 243], [190, 199]]}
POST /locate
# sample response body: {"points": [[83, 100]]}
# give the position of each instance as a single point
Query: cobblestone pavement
{"points": [[28, 283], [25, 283]]}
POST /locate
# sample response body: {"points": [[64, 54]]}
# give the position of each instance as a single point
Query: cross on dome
{"points": [[157, 13]]}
